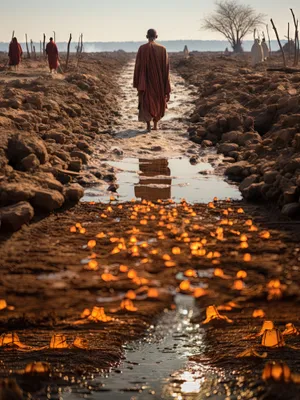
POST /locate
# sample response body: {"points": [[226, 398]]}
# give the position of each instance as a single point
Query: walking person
{"points": [[151, 79], [15, 53], [52, 54]]}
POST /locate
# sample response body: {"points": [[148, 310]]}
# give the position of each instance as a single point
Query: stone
{"points": [[284, 137], [16, 192], [156, 148], [248, 181], [59, 138], [254, 191], [80, 154], [290, 195], [206, 143], [296, 143], [237, 170], [194, 160], [47, 200], [75, 165], [291, 210], [270, 176], [249, 137], [22, 145], [13, 217], [117, 151], [232, 137], [30, 162], [292, 165], [73, 193], [226, 148]]}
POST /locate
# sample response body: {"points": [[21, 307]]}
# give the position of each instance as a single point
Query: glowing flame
{"points": [[3, 304], [127, 304], [290, 329], [131, 295], [241, 274], [73, 229], [79, 343], [106, 277], [199, 292], [91, 244], [247, 257], [213, 314], [176, 250], [265, 235], [36, 368], [98, 315], [123, 268], [92, 265], [272, 338], [59, 341], [191, 273], [11, 340], [267, 325], [152, 293], [277, 371], [185, 286], [258, 314]]}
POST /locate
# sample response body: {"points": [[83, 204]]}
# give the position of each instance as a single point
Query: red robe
{"points": [[151, 78], [52, 53], [15, 53]]}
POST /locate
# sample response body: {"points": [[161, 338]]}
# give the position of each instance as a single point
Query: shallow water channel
{"points": [[162, 178], [157, 367]]}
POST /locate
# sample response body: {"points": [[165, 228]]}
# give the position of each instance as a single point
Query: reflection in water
{"points": [[155, 180]]}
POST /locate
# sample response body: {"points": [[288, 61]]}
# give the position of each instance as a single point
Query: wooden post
{"points": [[27, 47], [68, 52], [44, 44], [296, 24], [282, 51], [31, 46], [54, 36], [267, 27], [78, 47], [13, 35], [289, 44], [41, 49], [34, 53]]}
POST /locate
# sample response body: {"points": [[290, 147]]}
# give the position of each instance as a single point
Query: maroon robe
{"points": [[15, 53], [151, 79], [52, 53]]}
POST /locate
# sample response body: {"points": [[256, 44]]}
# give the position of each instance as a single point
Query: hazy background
{"points": [[125, 21]]}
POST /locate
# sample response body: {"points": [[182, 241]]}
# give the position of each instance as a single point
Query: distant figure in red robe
{"points": [[15, 53], [151, 79], [52, 53]]}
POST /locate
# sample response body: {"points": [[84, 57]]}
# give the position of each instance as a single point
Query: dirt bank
{"points": [[253, 116], [48, 127]]}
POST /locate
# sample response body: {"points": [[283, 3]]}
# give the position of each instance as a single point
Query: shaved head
{"points": [[151, 34]]}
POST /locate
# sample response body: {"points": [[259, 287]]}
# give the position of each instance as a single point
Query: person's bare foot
{"points": [[148, 127]]}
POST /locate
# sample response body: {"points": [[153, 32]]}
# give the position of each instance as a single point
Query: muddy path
{"points": [[151, 268]]}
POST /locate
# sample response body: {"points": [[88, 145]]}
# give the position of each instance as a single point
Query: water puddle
{"points": [[157, 367], [162, 178]]}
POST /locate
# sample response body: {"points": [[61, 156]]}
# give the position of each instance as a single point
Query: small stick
{"points": [[68, 52], [44, 44], [267, 27], [27, 47], [282, 51]]}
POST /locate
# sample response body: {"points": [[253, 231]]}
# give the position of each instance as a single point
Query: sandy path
{"points": [[170, 140]]}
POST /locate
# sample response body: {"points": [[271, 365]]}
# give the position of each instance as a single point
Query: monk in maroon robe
{"points": [[15, 53], [151, 79], [52, 53]]}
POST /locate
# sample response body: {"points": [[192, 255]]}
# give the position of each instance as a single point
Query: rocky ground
{"points": [[48, 124], [253, 116]]}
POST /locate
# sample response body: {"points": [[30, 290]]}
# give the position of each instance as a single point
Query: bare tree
{"points": [[234, 21]]}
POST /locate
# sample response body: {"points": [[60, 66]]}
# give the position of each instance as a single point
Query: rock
{"points": [[206, 143], [194, 160], [291, 210], [113, 188], [284, 137], [237, 170], [248, 181], [296, 143], [292, 165], [249, 137], [58, 137], [14, 216], [226, 148], [254, 191], [83, 145], [21, 146], [16, 192], [79, 154], [232, 137], [73, 193], [270, 176], [47, 200], [30, 162], [75, 165], [156, 148], [117, 151], [290, 195]]}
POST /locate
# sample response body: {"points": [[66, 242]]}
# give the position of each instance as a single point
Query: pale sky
{"points": [[123, 20]]}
